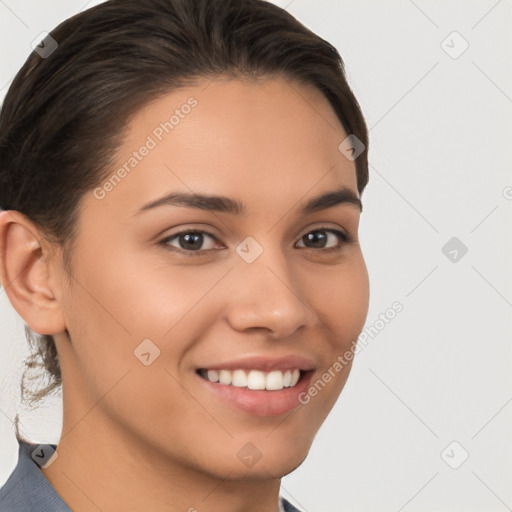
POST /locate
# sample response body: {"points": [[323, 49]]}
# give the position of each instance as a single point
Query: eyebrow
{"points": [[224, 204]]}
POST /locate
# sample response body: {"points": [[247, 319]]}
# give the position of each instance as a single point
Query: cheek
{"points": [[119, 307], [135, 296], [342, 300], [126, 300]]}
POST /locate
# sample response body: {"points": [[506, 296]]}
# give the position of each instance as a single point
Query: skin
{"points": [[139, 437]]}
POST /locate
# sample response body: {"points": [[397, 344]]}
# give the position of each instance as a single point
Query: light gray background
{"points": [[441, 132]]}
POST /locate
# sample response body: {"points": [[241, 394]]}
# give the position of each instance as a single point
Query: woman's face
{"points": [[257, 293]]}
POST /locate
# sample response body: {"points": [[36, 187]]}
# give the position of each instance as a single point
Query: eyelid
{"points": [[324, 227]]}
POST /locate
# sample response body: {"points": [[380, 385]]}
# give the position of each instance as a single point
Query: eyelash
{"points": [[345, 239]]}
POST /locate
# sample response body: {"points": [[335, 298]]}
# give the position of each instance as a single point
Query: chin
{"points": [[273, 462], [262, 470]]}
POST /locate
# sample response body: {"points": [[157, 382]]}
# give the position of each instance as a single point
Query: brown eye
{"points": [[320, 239], [190, 241]]}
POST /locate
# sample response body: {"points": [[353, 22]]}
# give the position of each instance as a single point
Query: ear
{"points": [[25, 274]]}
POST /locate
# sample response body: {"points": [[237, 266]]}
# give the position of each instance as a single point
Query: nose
{"points": [[268, 295]]}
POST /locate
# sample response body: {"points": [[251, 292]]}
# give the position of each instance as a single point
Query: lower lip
{"points": [[261, 402]]}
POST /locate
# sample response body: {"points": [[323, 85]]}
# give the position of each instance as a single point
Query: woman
{"points": [[181, 183]]}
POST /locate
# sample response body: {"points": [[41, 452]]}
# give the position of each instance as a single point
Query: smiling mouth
{"points": [[274, 380]]}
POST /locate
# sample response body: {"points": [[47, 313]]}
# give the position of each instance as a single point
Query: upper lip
{"points": [[265, 363]]}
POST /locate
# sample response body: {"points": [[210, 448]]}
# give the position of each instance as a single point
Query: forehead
{"points": [[256, 141]]}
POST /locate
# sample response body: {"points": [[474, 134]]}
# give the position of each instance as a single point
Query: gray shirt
{"points": [[28, 490]]}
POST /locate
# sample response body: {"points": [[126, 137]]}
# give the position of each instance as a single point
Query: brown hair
{"points": [[65, 113]]}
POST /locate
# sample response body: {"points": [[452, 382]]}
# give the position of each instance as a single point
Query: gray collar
{"points": [[27, 488]]}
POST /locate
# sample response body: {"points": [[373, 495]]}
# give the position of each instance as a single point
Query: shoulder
{"points": [[27, 489], [13, 493]]}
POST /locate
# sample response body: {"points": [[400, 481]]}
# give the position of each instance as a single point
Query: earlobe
{"points": [[25, 272]]}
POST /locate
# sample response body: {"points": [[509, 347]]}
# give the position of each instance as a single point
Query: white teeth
{"points": [[274, 380], [239, 379], [225, 377], [213, 375], [255, 379]]}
